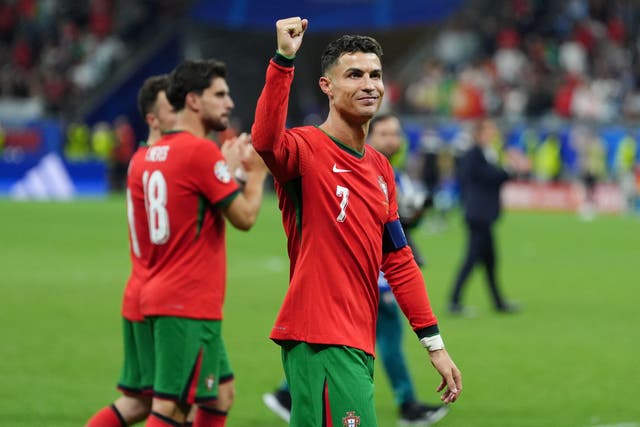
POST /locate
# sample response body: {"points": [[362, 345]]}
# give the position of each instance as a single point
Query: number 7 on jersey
{"points": [[344, 193]]}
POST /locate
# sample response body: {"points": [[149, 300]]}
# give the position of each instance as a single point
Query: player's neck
{"points": [[191, 123], [154, 136], [350, 134]]}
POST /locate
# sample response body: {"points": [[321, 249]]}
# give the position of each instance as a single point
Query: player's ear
{"points": [[150, 119], [192, 100], [325, 86]]}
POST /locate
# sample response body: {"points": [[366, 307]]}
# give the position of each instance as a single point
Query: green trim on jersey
{"points": [[227, 200], [172, 131], [294, 189], [202, 210], [343, 146], [203, 204], [143, 144]]}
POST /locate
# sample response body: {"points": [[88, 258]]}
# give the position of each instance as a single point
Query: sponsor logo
{"points": [[221, 170], [336, 169], [351, 420]]}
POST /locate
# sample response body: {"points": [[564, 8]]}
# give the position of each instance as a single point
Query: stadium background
{"points": [[68, 79]]}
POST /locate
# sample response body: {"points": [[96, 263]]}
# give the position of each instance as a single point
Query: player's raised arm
{"points": [[268, 131]]}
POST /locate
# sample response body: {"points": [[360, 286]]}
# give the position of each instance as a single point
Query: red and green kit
{"points": [[341, 219]]}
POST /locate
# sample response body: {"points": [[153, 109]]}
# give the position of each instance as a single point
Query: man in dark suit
{"points": [[481, 178]]}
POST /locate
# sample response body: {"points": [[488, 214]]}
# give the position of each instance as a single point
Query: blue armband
{"points": [[394, 237]]}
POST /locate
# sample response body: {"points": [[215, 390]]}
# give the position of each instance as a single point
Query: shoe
{"points": [[508, 308], [461, 311], [279, 402], [420, 414]]}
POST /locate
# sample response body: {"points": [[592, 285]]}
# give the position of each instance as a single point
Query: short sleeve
{"points": [[211, 174]]}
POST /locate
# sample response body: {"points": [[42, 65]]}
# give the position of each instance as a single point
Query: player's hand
{"points": [[233, 151], [290, 32], [451, 376], [252, 163]]}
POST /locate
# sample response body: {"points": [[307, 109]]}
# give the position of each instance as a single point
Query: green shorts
{"points": [[329, 383], [137, 371], [190, 359]]}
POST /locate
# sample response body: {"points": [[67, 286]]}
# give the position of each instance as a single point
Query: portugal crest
{"points": [[383, 186], [351, 420], [211, 380]]}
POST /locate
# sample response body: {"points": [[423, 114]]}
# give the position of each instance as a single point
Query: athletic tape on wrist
{"points": [[433, 343]]}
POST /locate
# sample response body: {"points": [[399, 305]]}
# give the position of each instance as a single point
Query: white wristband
{"points": [[433, 343]]}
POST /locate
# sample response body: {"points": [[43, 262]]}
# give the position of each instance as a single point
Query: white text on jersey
{"points": [[157, 154]]}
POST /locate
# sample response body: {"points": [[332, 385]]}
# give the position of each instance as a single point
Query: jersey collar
{"points": [[343, 146]]}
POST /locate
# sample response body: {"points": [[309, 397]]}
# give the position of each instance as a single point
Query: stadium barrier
{"points": [[561, 196]]}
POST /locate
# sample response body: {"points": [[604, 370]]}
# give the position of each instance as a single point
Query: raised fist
{"points": [[290, 32]]}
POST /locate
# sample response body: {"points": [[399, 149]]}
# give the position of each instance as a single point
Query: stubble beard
{"points": [[216, 125]]}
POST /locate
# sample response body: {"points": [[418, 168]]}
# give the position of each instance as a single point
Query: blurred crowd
{"points": [[576, 59], [578, 153], [55, 51], [111, 143]]}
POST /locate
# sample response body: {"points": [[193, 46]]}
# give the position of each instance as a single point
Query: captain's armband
{"points": [[394, 238]]}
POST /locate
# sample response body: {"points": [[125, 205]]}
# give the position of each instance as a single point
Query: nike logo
{"points": [[336, 170]]}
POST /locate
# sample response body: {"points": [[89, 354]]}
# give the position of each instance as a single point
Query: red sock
{"points": [[157, 420], [210, 418], [106, 417]]}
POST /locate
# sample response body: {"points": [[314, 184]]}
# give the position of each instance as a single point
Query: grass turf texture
{"points": [[568, 360]]}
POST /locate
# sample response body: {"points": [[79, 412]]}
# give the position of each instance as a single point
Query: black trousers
{"points": [[480, 249]]}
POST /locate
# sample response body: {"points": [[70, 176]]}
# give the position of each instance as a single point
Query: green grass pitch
{"points": [[570, 359]]}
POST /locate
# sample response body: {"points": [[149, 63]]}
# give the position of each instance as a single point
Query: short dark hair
{"points": [[380, 118], [348, 44], [193, 76], [149, 91]]}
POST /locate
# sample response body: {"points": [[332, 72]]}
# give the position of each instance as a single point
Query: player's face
{"points": [[354, 85], [216, 105], [165, 115], [386, 136]]}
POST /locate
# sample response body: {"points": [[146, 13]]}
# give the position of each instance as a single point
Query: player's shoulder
{"points": [[305, 137], [307, 132], [186, 145], [138, 157], [181, 138], [378, 158], [140, 151], [375, 154]]}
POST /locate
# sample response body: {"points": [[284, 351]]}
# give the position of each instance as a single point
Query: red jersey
{"points": [[138, 241], [184, 184], [335, 203]]}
